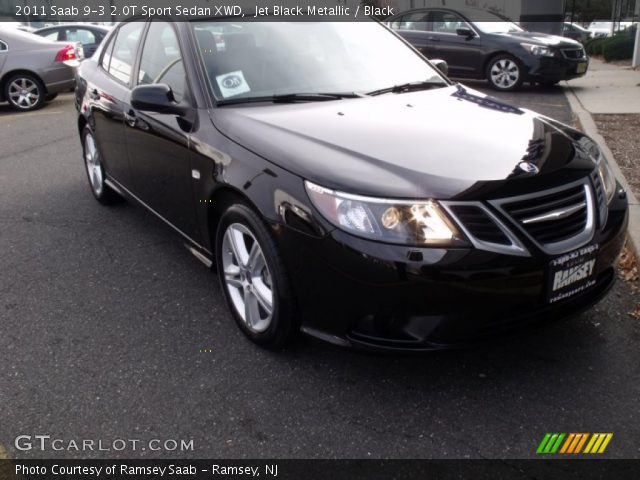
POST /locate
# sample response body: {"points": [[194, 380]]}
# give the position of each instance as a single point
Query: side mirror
{"points": [[441, 65], [156, 98], [466, 32]]}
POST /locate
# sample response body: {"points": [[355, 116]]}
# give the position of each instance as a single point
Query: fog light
{"points": [[391, 218]]}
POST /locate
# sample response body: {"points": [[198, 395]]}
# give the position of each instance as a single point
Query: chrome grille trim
{"points": [[515, 248], [563, 246], [603, 208]]}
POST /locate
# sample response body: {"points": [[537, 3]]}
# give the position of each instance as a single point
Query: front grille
{"points": [[558, 220], [479, 224], [574, 53], [601, 199]]}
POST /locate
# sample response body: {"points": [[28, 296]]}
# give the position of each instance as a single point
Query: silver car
{"points": [[34, 70]]}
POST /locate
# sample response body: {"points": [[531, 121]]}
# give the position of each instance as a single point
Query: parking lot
{"points": [[111, 330]]}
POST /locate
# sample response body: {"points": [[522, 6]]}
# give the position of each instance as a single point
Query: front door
{"points": [[158, 144]]}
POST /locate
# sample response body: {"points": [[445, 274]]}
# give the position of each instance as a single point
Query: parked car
{"points": [[88, 35], [34, 70], [602, 28], [342, 186], [576, 32], [490, 48]]}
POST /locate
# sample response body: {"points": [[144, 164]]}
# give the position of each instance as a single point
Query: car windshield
{"points": [[264, 59]]}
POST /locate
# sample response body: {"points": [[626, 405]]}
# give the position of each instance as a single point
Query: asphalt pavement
{"points": [[110, 330]]}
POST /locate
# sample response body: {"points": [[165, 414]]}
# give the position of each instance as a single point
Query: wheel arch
{"points": [[220, 199], [5, 78], [490, 58]]}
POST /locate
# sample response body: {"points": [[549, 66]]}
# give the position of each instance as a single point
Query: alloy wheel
{"points": [[24, 93], [92, 161], [247, 277], [505, 73]]}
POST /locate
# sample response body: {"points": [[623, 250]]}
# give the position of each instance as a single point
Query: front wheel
{"points": [[254, 279], [505, 73], [95, 170]]}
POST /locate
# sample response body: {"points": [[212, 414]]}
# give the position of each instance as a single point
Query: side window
{"points": [[3, 46], [124, 51], [413, 21], [161, 61], [445, 22], [53, 36], [85, 37]]}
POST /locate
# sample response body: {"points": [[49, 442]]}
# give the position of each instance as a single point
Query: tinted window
{"points": [[412, 21], [161, 61], [445, 22], [124, 51], [85, 37]]}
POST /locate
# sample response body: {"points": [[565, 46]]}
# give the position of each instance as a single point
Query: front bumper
{"points": [[554, 69], [368, 295]]}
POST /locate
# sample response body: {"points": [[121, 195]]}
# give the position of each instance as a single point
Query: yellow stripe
{"points": [[584, 439], [596, 445], [575, 442], [567, 442], [590, 444], [607, 439]]}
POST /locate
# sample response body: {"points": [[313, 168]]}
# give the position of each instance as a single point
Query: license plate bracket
{"points": [[571, 273]]}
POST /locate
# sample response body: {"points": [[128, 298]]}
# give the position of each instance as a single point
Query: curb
{"points": [[591, 129]]}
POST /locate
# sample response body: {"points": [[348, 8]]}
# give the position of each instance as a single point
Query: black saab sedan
{"points": [[481, 45], [342, 186]]}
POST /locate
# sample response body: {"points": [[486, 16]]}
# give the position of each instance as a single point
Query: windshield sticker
{"points": [[232, 84]]}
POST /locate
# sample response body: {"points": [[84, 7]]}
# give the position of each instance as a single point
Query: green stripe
{"points": [[543, 443], [558, 443], [550, 443]]}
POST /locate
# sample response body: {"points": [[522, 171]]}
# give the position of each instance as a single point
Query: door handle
{"points": [[130, 118], [433, 39]]}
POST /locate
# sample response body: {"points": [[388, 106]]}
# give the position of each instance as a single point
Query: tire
{"points": [[24, 92], [505, 73], [254, 280], [95, 170]]}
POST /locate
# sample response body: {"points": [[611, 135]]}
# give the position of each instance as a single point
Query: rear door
{"points": [[158, 144], [109, 92], [463, 54]]}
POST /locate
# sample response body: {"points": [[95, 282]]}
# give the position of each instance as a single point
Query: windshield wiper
{"points": [[292, 97], [409, 87]]}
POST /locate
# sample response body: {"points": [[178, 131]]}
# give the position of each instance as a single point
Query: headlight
{"points": [[604, 170], [608, 180], [394, 221], [538, 50]]}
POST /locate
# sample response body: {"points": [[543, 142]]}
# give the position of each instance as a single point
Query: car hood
{"points": [[543, 39], [437, 143]]}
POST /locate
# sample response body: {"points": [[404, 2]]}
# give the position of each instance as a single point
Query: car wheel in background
{"points": [[505, 73], [95, 170], [24, 92], [254, 279]]}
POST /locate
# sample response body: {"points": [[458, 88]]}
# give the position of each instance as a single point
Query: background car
{"points": [[576, 32], [600, 28], [90, 36], [34, 70], [490, 48]]}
